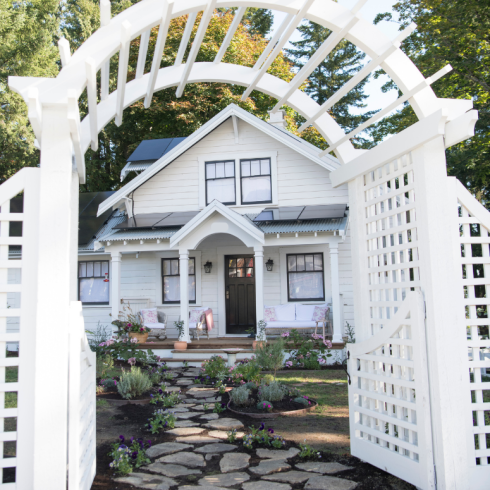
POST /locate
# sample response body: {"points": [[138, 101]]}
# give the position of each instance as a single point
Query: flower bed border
{"points": [[275, 415]]}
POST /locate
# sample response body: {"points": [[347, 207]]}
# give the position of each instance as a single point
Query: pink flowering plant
{"points": [[212, 368], [308, 352], [125, 349], [245, 371]]}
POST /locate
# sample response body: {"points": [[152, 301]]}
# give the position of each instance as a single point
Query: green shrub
{"points": [[108, 383], [273, 392], [133, 383], [103, 363], [265, 405], [270, 356], [301, 400], [240, 396], [250, 385], [268, 379], [214, 366], [245, 370]]}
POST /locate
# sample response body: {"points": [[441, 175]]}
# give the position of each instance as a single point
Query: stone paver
{"points": [[185, 382], [325, 468], [277, 453], [270, 466], [205, 395], [185, 423], [171, 388], [234, 462], [172, 470], [184, 405], [201, 487], [217, 447], [210, 400], [197, 439], [185, 416], [166, 448], [292, 477], [329, 483], [202, 390], [191, 460], [178, 410], [185, 431], [209, 416], [145, 481], [265, 485], [225, 480], [221, 434], [224, 424]]}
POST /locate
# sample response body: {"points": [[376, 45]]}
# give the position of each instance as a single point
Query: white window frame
{"points": [[195, 254], [237, 156], [87, 257], [306, 249]]}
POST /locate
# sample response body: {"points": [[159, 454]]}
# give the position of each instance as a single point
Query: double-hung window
{"points": [[220, 182], [171, 281], [93, 283], [305, 277], [256, 181]]}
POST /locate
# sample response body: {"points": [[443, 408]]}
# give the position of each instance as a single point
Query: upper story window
{"points": [[220, 182], [171, 281], [256, 181], [93, 284]]}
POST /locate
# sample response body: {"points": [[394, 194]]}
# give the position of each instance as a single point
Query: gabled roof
{"points": [[301, 146], [216, 207]]}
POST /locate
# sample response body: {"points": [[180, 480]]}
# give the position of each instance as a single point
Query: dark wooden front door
{"points": [[240, 293]]}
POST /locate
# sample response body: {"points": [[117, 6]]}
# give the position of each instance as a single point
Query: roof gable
{"points": [[301, 146]]}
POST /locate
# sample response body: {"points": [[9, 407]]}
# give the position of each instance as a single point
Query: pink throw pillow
{"points": [[195, 316], [149, 316], [320, 313], [270, 314]]}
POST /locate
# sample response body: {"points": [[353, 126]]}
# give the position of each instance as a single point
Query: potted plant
{"points": [[260, 338], [180, 344], [132, 326]]}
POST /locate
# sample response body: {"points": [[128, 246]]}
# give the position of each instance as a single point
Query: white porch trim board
{"points": [[184, 293], [115, 284], [259, 285]]}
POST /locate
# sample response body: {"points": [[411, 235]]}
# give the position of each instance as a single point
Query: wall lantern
{"points": [[269, 264], [207, 267]]}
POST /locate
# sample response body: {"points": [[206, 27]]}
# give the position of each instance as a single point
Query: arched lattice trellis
{"points": [[115, 35], [399, 200]]}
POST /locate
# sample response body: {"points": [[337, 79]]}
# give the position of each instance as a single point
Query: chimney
{"points": [[277, 119]]}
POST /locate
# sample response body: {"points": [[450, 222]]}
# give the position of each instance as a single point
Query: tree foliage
{"points": [[455, 32], [332, 73], [28, 30]]}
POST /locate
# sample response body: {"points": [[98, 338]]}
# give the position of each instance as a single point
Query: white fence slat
{"points": [[81, 445]]}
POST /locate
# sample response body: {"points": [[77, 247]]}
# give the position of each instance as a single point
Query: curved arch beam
{"points": [[106, 42]]}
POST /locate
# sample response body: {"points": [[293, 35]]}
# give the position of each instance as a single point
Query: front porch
{"points": [[218, 261], [199, 350]]}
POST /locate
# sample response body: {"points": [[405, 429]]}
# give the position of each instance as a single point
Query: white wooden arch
{"points": [[79, 71]]}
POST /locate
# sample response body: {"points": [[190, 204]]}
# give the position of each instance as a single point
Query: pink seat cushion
{"points": [[270, 314], [320, 313]]}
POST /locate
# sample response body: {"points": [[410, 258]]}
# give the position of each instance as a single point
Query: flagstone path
{"points": [[201, 440]]}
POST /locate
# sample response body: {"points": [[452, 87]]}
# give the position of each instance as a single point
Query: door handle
{"points": [[228, 292]]}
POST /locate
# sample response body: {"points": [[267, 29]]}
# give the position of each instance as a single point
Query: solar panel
{"points": [[323, 212], [152, 150], [301, 213], [157, 220]]}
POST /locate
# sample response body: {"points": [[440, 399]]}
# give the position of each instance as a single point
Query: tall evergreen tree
{"points": [[28, 31], [454, 32], [260, 21], [332, 73]]}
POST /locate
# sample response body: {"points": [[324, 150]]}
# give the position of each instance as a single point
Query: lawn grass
{"points": [[327, 387]]}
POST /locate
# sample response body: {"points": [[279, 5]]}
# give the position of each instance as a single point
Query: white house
{"points": [[236, 194]]}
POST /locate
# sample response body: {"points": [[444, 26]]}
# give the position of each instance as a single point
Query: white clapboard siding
{"points": [[176, 187]]}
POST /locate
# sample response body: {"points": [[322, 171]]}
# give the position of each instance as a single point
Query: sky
{"points": [[377, 99]]}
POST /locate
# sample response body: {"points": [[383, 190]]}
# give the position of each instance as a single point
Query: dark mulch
{"points": [[288, 405]]}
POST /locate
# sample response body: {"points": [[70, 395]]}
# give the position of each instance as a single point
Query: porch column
{"points": [[115, 283], [336, 303], [184, 293], [259, 285]]}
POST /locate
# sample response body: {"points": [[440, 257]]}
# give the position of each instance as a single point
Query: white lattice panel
{"points": [[81, 449], [389, 397], [474, 231], [391, 234]]}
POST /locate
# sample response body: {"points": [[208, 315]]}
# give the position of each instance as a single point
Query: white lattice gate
{"points": [[389, 397], [409, 370], [82, 383]]}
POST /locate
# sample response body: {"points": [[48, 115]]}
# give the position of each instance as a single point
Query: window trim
{"points": [[299, 300], [251, 176], [220, 178], [191, 302], [93, 303], [236, 156]]}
